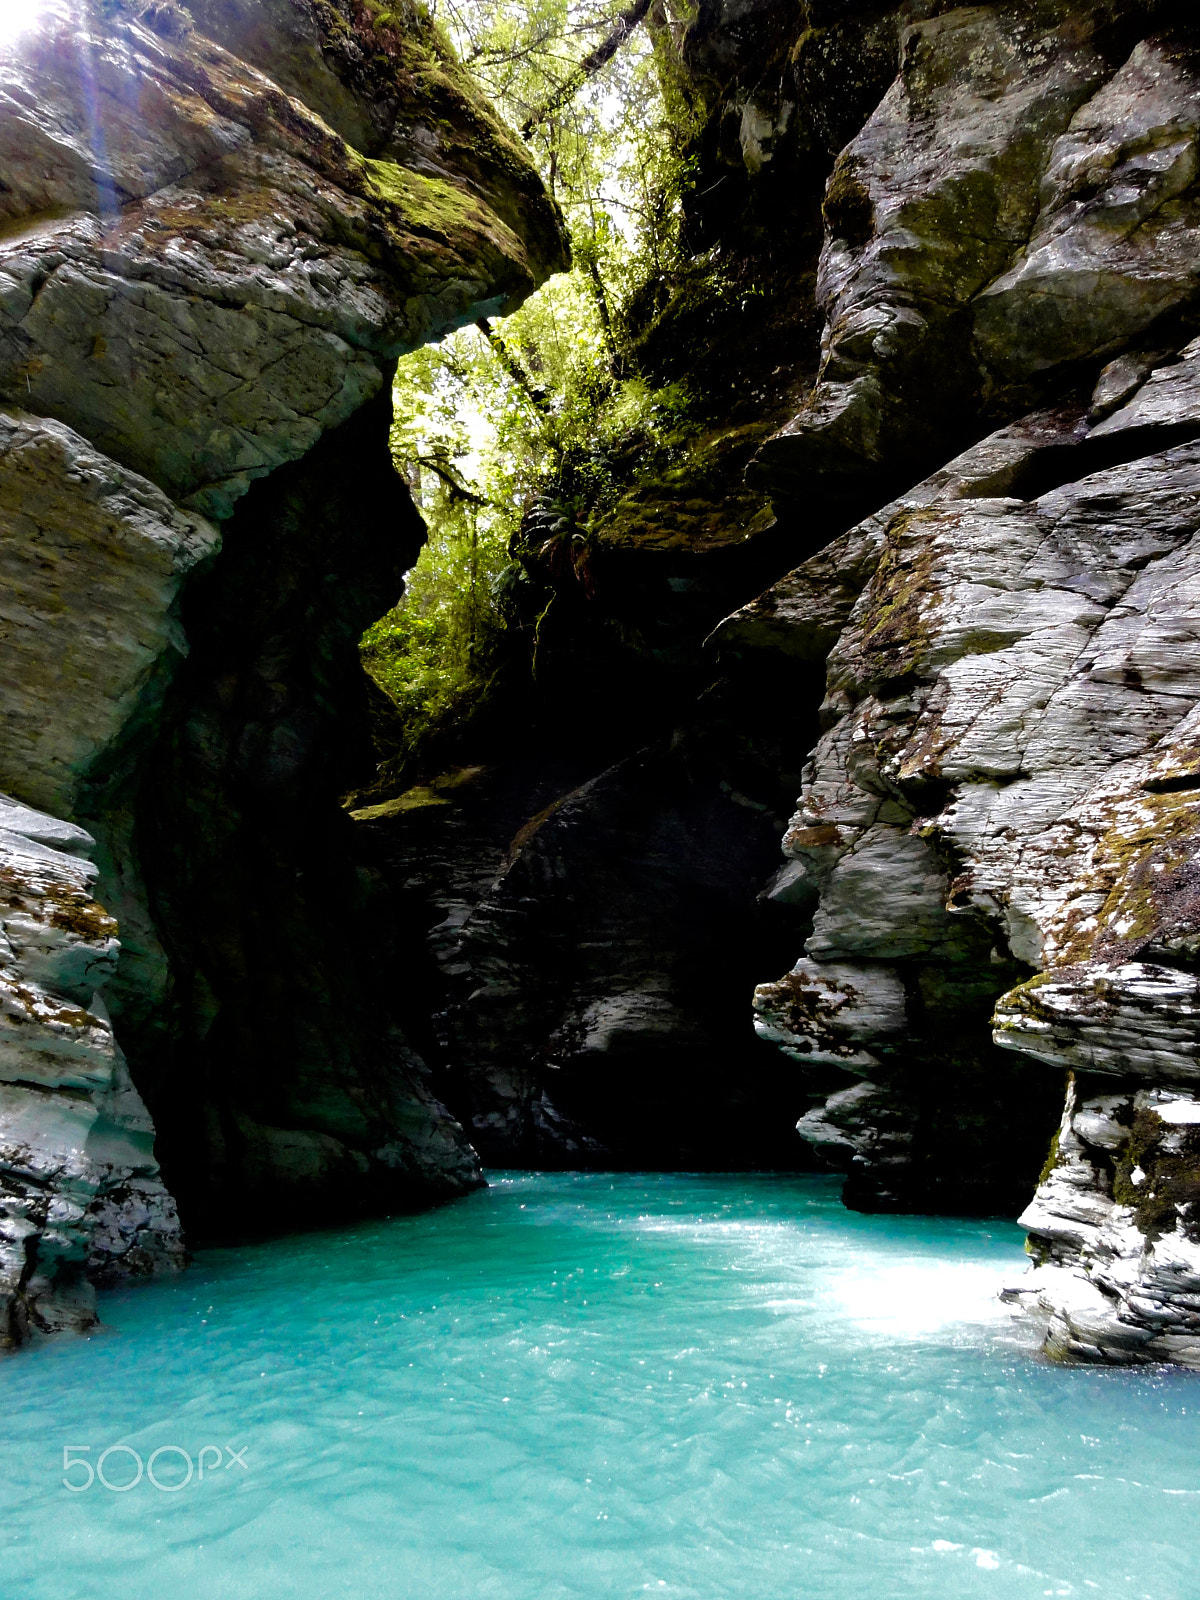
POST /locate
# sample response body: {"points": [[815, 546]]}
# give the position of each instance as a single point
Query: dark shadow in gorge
{"points": [[598, 933], [594, 1005], [283, 1066]]}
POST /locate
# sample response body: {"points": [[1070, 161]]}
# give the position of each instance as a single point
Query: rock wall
{"points": [[996, 833], [219, 228], [81, 1199], [978, 488], [588, 1008]]}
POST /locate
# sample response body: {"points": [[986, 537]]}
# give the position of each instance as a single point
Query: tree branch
{"points": [[626, 22], [512, 366], [457, 488]]}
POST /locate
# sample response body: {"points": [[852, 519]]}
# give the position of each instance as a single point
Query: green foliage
{"points": [[614, 152], [515, 439], [428, 652]]}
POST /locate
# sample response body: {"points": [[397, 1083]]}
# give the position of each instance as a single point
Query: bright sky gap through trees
{"points": [[489, 422]]}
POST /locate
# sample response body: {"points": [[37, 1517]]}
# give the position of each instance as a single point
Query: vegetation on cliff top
{"points": [[523, 430]]}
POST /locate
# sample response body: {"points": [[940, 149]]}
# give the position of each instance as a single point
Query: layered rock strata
{"points": [[998, 816], [81, 1198], [219, 227]]}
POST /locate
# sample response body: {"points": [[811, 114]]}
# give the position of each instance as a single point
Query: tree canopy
{"points": [[506, 418]]}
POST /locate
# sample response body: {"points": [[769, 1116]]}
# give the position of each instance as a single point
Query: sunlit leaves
{"points": [[474, 446]]}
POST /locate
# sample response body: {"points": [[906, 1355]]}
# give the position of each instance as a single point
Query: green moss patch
{"points": [[1169, 1158], [849, 209], [1051, 1161], [436, 208], [897, 632], [1147, 862]]}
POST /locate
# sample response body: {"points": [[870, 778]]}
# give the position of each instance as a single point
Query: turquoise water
{"points": [[573, 1387]]}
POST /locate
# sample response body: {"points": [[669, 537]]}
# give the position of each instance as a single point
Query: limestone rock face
{"points": [[984, 485], [1116, 1253], [996, 834], [1014, 677], [1022, 197], [92, 557], [81, 1199], [206, 275], [1114, 243], [218, 230]]}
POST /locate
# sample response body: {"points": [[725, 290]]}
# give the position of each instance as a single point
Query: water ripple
{"points": [[595, 1387]]}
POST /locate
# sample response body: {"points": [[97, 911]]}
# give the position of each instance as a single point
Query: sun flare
{"points": [[16, 17]]}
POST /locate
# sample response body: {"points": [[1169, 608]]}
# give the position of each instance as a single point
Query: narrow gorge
{"points": [[914, 594]]}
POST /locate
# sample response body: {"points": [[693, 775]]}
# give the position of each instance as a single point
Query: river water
{"points": [[595, 1387]]}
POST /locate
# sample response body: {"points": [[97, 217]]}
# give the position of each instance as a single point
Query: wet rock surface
{"points": [[81, 1198], [218, 230]]}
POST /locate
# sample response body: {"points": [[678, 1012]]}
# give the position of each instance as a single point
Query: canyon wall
{"points": [[997, 827], [954, 416], [219, 228], [928, 563]]}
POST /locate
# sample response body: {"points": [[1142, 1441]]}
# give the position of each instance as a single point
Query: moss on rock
{"points": [[849, 210], [1157, 1173]]}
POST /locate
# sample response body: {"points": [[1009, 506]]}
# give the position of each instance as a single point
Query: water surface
{"points": [[597, 1388]]}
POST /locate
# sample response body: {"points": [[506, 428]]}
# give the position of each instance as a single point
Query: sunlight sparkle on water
{"points": [[594, 1387], [907, 1298]]}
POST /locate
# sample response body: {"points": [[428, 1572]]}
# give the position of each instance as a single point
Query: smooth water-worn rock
{"points": [[220, 227], [273, 1011], [81, 1199], [93, 557]]}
